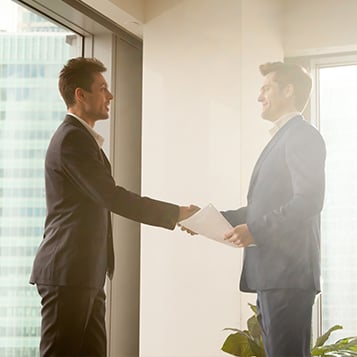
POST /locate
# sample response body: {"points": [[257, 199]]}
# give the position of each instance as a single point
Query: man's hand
{"points": [[240, 235], [187, 211], [184, 229]]}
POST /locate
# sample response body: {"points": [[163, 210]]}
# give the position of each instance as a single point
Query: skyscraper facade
{"points": [[32, 52]]}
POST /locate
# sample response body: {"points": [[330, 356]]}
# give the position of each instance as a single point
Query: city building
{"points": [[31, 55]]}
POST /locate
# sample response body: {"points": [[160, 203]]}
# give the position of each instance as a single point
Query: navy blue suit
{"points": [[284, 202]]}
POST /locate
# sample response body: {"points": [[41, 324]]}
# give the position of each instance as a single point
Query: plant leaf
{"points": [[257, 348], [237, 344], [323, 338], [344, 347], [253, 308], [341, 354], [232, 329], [253, 327], [348, 342]]}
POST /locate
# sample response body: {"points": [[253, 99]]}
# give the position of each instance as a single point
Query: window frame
{"points": [[315, 64]]}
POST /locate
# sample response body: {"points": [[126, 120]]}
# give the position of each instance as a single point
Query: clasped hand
{"points": [[186, 212], [240, 236]]}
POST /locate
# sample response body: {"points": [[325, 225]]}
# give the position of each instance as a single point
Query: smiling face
{"points": [[276, 101], [95, 104]]}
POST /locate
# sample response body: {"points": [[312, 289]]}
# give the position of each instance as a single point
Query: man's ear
{"points": [[289, 91], [79, 95]]}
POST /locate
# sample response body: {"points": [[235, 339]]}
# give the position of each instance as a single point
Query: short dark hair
{"points": [[289, 73], [78, 73]]}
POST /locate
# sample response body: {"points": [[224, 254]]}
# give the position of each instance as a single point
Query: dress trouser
{"points": [[285, 317], [73, 322]]}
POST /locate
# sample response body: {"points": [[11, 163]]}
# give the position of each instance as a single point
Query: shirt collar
{"points": [[278, 124], [98, 138]]}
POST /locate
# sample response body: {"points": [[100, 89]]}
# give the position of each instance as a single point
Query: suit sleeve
{"points": [[84, 168], [236, 217], [305, 158]]}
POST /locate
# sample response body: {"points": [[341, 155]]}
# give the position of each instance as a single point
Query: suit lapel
{"points": [[277, 137], [70, 119], [73, 121], [105, 160]]}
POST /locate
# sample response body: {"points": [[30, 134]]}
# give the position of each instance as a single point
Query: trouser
{"points": [[285, 317], [73, 322]]}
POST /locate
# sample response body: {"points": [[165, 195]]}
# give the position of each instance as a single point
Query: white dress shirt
{"points": [[278, 124]]}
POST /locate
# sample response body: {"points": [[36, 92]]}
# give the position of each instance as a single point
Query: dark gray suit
{"points": [[77, 247], [284, 202]]}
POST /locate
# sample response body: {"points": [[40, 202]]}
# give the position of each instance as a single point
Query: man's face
{"points": [[96, 103], [275, 100]]}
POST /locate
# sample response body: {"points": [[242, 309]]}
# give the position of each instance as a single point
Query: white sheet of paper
{"points": [[209, 222]]}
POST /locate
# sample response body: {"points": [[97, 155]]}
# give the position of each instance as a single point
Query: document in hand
{"points": [[209, 222]]}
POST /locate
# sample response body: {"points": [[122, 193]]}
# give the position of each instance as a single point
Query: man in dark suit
{"points": [[280, 226], [76, 252]]}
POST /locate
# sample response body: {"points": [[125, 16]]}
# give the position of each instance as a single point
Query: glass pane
{"points": [[32, 52], [338, 123]]}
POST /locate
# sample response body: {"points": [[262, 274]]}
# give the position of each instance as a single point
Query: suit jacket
{"points": [[284, 202], [77, 247]]}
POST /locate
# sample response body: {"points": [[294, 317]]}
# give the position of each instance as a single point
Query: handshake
{"points": [[209, 222], [187, 211]]}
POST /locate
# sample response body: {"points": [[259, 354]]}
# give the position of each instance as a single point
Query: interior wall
{"points": [[133, 7], [319, 26], [202, 134], [128, 14], [191, 154]]}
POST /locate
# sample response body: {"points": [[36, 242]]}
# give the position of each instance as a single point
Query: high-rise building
{"points": [[32, 53]]}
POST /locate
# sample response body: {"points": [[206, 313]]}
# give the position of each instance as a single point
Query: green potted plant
{"points": [[249, 343]]}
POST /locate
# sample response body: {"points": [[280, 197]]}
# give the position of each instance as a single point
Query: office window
{"points": [[337, 96], [32, 51]]}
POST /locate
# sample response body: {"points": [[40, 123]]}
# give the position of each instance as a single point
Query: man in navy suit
{"points": [[280, 226], [76, 252]]}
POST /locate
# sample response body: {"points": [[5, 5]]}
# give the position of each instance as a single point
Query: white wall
{"points": [[191, 153], [320, 26], [133, 7], [129, 14], [201, 137]]}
